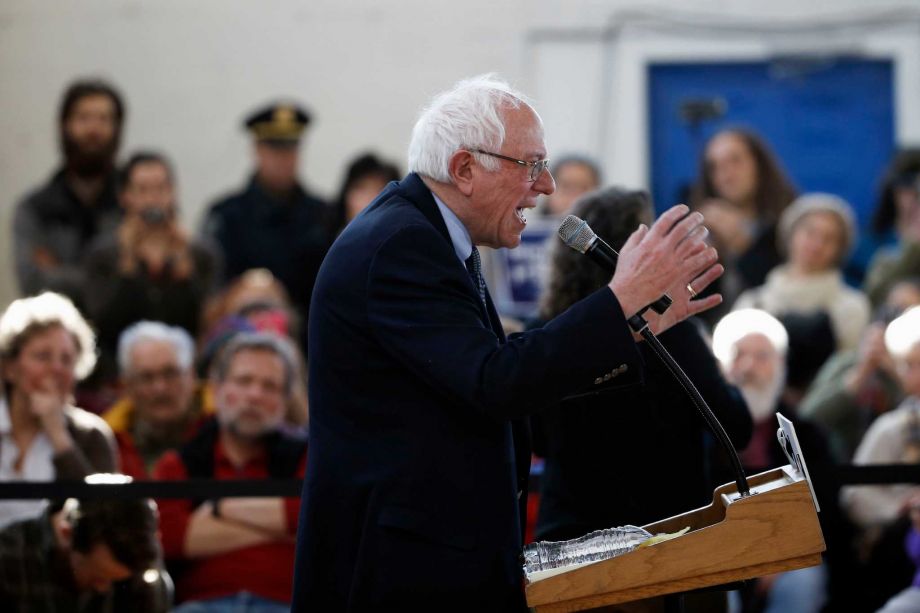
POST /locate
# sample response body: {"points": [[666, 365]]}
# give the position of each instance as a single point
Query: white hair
{"points": [[157, 331], [903, 334], [468, 116], [43, 311], [742, 323]]}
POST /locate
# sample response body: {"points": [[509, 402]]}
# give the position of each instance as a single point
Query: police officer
{"points": [[274, 222]]}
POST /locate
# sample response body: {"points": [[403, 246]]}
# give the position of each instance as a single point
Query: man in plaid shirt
{"points": [[84, 557]]}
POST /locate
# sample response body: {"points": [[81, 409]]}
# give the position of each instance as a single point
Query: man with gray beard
{"points": [[237, 553], [752, 345]]}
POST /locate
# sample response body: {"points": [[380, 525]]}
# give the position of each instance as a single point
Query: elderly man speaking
{"points": [[417, 462]]}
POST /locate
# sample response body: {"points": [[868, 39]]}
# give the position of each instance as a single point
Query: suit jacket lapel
{"points": [[418, 193], [494, 320]]}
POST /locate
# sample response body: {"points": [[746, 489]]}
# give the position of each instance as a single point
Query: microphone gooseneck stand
{"points": [[640, 326]]}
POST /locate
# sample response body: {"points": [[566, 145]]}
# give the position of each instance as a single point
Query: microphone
{"points": [[577, 234]]}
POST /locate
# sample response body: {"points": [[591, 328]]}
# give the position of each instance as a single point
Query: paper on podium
{"points": [[789, 441]]}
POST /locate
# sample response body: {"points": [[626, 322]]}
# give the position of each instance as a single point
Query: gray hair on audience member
{"points": [[468, 116], [742, 323], [26, 316], [258, 341], [903, 334], [157, 331]]}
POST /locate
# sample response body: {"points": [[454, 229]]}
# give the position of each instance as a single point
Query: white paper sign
{"points": [[790, 444]]}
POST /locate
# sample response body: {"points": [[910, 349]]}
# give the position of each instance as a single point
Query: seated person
{"points": [[882, 511], [365, 177], [896, 223], [161, 408], [236, 552], [575, 176], [908, 600], [816, 233], [256, 288], [84, 556], [895, 436], [855, 386], [751, 345], [45, 347], [255, 302], [150, 268], [587, 483]]}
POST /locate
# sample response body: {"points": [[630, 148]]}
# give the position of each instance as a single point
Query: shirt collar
{"points": [[459, 235]]}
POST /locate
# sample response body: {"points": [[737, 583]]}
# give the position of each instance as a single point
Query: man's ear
{"points": [[461, 170]]}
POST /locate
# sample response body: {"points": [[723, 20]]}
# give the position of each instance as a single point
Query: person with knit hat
{"points": [[816, 233]]}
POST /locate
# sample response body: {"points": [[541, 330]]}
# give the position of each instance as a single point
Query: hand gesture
{"points": [[158, 246], [47, 403], [873, 357], [654, 261], [685, 302]]}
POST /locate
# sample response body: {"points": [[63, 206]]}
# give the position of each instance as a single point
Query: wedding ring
{"points": [[690, 289]]}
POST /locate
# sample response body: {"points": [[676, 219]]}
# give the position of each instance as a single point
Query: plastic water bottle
{"points": [[592, 547]]}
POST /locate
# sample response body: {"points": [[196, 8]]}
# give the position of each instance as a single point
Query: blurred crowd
{"points": [[162, 352]]}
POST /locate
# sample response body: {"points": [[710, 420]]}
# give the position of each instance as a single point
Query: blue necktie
{"points": [[474, 267]]}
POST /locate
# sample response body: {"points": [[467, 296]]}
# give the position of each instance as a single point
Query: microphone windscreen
{"points": [[576, 233]]}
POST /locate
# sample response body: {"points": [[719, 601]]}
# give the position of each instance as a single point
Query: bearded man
{"points": [[55, 223], [752, 345], [237, 553]]}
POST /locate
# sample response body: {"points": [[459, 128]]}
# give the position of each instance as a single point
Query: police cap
{"points": [[280, 123]]}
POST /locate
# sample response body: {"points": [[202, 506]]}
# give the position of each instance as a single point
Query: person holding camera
{"points": [[149, 268]]}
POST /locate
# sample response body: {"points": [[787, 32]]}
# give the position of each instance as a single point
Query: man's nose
{"points": [[159, 384], [253, 392], [545, 184], [743, 366]]}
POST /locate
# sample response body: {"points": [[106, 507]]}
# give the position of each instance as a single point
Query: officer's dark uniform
{"points": [[287, 234]]}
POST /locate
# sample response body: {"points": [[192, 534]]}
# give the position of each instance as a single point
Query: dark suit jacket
{"points": [[289, 237], [410, 500], [635, 452]]}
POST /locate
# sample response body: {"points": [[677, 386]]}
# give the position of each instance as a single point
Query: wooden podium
{"points": [[774, 529]]}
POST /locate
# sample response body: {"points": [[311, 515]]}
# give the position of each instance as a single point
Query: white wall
{"points": [[191, 70]]}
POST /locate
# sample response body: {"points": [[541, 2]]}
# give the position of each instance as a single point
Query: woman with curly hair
{"points": [[45, 348]]}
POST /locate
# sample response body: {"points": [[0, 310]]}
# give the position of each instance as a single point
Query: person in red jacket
{"points": [[237, 552], [161, 408]]}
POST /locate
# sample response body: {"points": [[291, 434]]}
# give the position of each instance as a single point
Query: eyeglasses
{"points": [[169, 375], [536, 168]]}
